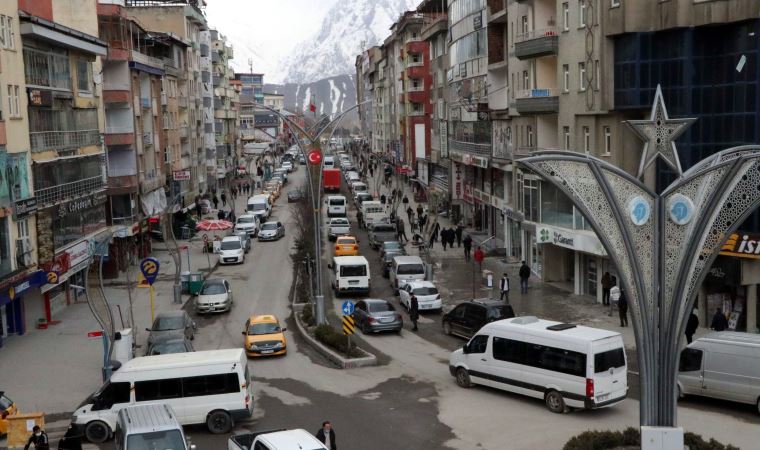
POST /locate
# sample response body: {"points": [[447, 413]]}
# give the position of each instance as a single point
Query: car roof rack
{"points": [[561, 326]]}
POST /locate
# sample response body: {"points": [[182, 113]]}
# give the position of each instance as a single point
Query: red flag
{"points": [[312, 107]]}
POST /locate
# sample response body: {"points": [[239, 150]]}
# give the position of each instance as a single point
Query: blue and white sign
{"points": [[149, 268], [639, 210], [347, 308], [680, 209]]}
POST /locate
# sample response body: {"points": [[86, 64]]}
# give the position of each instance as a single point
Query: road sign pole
{"points": [[152, 305], [348, 346]]}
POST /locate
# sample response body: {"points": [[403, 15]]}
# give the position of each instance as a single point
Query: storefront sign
{"points": [[481, 196], [443, 133], [584, 241], [458, 187], [181, 175], [78, 253], [510, 213], [742, 245], [24, 208], [19, 284], [81, 204]]}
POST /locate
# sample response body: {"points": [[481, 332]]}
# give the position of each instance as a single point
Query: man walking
{"points": [[405, 201], [691, 327], [39, 438], [224, 199], [414, 311], [504, 287], [623, 309], [444, 238], [719, 322], [524, 276], [459, 230], [326, 435], [400, 230], [614, 295], [606, 286], [215, 201], [420, 211], [467, 247], [360, 219], [452, 237]]}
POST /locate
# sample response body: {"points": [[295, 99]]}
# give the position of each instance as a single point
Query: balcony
{"points": [[182, 101], [183, 134], [68, 191], [217, 80], [204, 50], [415, 113], [416, 72], [122, 184], [470, 147], [62, 140], [537, 101], [410, 63], [417, 96], [215, 56], [497, 11], [537, 43], [416, 46]]}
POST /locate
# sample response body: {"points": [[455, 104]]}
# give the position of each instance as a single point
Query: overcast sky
{"points": [[266, 30]]}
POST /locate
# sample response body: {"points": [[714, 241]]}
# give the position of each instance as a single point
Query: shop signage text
{"points": [[181, 175], [78, 253], [510, 213], [25, 207], [457, 181], [468, 197], [576, 240], [742, 245], [81, 204]]}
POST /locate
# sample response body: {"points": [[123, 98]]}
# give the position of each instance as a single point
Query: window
{"points": [[586, 139], [691, 360], [614, 3], [210, 385], [475, 314], [555, 359], [582, 76], [565, 78], [158, 389], [111, 394], [565, 16], [478, 344], [524, 25], [611, 359], [508, 350], [531, 200], [7, 35], [530, 135], [581, 13], [47, 68], [607, 140], [566, 137], [22, 226], [13, 101], [526, 80]]}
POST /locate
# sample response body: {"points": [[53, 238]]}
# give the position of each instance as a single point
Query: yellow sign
{"points": [[744, 245], [141, 281], [348, 325], [52, 278]]}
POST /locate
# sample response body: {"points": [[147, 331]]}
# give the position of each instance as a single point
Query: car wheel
{"points": [[97, 432], [447, 328], [758, 405], [219, 422], [463, 378], [555, 402]]}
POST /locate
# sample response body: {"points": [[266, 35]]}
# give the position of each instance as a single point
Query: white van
{"points": [[336, 205], [260, 206], [566, 365], [150, 426], [372, 211], [211, 387], [350, 274], [405, 269], [724, 365], [328, 162]]}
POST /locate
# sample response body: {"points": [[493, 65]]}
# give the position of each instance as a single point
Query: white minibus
{"points": [[211, 387], [350, 274], [566, 365], [328, 162], [336, 205], [372, 211], [260, 206]]}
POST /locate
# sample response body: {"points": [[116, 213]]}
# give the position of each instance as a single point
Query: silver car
{"points": [[215, 296], [271, 231], [174, 323], [373, 315]]}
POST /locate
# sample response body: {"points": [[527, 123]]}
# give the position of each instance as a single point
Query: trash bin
{"points": [[195, 283], [185, 282], [487, 278]]}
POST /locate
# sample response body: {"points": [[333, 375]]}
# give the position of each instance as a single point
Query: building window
{"points": [[614, 3], [566, 137], [84, 83], [586, 140], [607, 140], [47, 68], [524, 25], [7, 35], [582, 75], [14, 109], [566, 16], [597, 75], [565, 77], [526, 80], [581, 13], [530, 136]]}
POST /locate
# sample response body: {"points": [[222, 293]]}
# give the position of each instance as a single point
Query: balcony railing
{"points": [[415, 89], [414, 63], [535, 34], [183, 132], [537, 93], [69, 191], [61, 140], [414, 113]]}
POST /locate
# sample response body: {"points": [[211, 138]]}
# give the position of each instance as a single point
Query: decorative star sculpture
{"points": [[659, 133]]}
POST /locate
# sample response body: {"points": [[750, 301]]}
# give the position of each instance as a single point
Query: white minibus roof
{"points": [[349, 260], [175, 360], [732, 337], [535, 326]]}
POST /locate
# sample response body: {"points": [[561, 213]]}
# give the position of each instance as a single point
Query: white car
{"points": [[352, 176], [359, 186], [428, 297], [287, 165], [215, 296], [231, 251], [248, 223], [339, 226]]}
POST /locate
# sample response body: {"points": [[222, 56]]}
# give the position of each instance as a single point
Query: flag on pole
{"points": [[312, 106]]}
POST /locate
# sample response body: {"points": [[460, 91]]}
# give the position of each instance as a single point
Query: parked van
{"points": [[336, 205], [350, 274], [405, 269], [211, 387], [724, 365], [260, 206], [566, 365], [150, 426], [372, 211]]}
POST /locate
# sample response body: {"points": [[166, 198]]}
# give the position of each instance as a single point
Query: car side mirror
{"points": [[284, 330], [465, 349], [243, 333]]}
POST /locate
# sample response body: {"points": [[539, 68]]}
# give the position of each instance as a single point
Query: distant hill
{"points": [[331, 96]]}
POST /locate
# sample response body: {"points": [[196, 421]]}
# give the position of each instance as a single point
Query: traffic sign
{"points": [[348, 325], [141, 281], [347, 308], [149, 268], [315, 157]]}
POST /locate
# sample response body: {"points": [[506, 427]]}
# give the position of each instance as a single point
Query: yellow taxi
{"points": [[264, 336], [7, 408], [346, 246]]}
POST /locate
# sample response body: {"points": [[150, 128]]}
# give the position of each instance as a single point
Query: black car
{"points": [[468, 317]]}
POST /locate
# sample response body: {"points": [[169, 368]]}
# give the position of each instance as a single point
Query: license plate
{"points": [[424, 306], [387, 319], [602, 398], [264, 352], [229, 259], [353, 282], [347, 248]]}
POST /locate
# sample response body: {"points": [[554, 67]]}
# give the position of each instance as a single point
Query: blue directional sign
{"points": [[347, 308], [149, 268], [681, 209]]}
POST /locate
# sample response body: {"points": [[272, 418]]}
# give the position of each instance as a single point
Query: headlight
{"points": [[278, 345], [254, 347]]}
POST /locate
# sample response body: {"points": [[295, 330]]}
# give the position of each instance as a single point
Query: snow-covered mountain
{"points": [[331, 95], [349, 28]]}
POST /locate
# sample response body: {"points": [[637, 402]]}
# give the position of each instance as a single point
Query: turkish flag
{"points": [[312, 107]]}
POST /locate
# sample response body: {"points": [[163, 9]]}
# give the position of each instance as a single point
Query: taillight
{"points": [[5, 414], [371, 320], [337, 247], [356, 247], [589, 388]]}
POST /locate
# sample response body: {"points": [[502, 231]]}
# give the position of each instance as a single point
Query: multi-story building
{"points": [[63, 99], [253, 85], [226, 99]]}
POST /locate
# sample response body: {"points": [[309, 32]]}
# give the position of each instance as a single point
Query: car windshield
{"points": [[259, 206], [410, 269], [500, 312], [425, 291], [213, 289], [5, 403], [384, 229], [167, 348], [230, 245], [353, 271], [248, 219], [610, 359], [168, 323], [263, 328], [391, 245], [346, 241], [269, 226], [337, 202], [156, 440], [380, 307]]}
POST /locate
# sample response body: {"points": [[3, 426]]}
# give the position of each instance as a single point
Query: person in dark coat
{"points": [[382, 199], [414, 311], [691, 327], [444, 238], [224, 199], [419, 211], [719, 322], [39, 438], [400, 230], [409, 213], [220, 214], [452, 237], [459, 231], [623, 309], [215, 201], [326, 435], [360, 219], [467, 241], [606, 286], [434, 235], [71, 441], [524, 276], [405, 200]]}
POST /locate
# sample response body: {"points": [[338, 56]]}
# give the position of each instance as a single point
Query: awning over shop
{"points": [[154, 202]]}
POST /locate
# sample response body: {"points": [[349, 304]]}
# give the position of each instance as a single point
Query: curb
{"points": [[340, 361]]}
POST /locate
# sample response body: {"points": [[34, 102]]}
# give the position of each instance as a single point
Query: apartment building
{"points": [[226, 99]]}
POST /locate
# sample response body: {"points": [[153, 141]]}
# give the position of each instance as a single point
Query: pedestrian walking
{"points": [[72, 440], [215, 201], [504, 287], [224, 199], [372, 171], [382, 199], [400, 230], [434, 235], [524, 276], [234, 192], [719, 322], [623, 309], [419, 211], [444, 238], [452, 237], [360, 219], [414, 311], [220, 214], [478, 256], [467, 241], [606, 286], [326, 435], [421, 222], [459, 231], [39, 438], [405, 200], [231, 216], [691, 326], [614, 295]]}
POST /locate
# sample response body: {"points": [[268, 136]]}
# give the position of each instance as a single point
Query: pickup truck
{"points": [[380, 232], [275, 440], [339, 226]]}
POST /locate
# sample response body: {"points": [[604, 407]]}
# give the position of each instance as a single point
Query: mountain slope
{"points": [[331, 95]]}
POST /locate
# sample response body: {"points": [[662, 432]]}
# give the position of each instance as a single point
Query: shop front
{"points": [[19, 301]]}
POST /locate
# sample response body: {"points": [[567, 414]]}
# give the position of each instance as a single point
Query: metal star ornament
{"points": [[659, 133]]}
